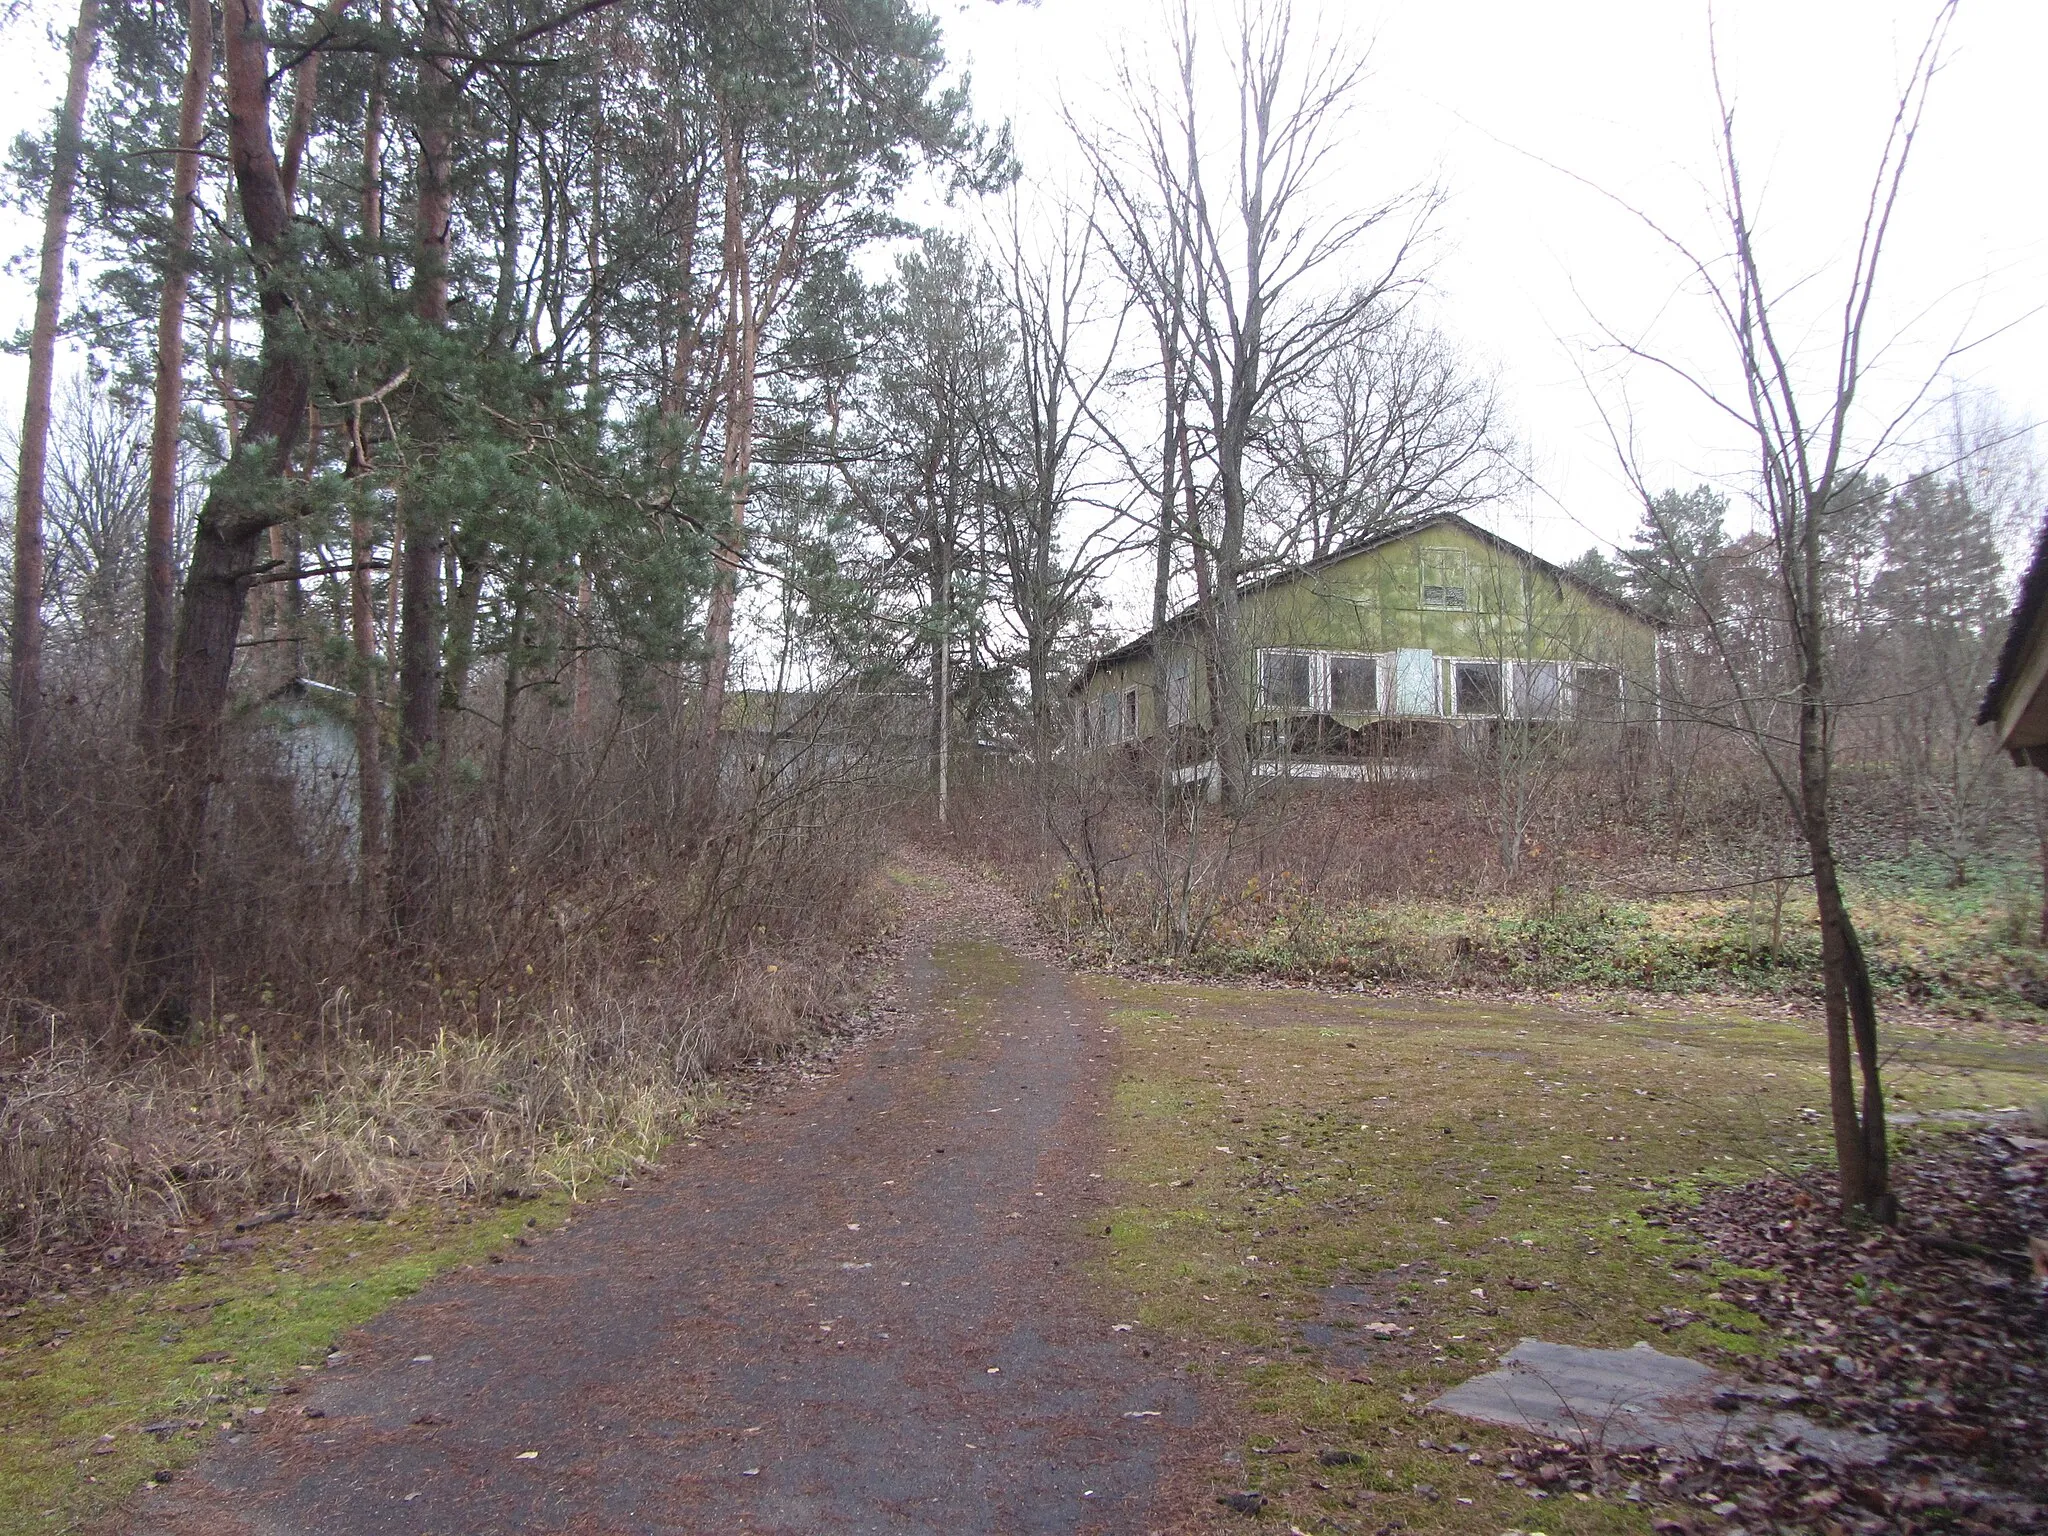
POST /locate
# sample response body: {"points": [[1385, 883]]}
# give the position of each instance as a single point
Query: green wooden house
{"points": [[1401, 643]]}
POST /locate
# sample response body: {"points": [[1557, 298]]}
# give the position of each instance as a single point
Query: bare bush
{"points": [[587, 970]]}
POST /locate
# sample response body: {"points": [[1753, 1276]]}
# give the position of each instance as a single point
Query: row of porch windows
{"points": [[1334, 682], [1344, 683]]}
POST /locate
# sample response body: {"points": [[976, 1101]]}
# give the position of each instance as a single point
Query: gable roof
{"points": [[1131, 650]]}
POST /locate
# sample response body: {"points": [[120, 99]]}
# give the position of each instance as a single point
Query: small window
{"points": [[1180, 690], [1286, 679], [1109, 712], [1596, 693], [1445, 583], [1539, 690], [1130, 714], [1354, 685], [1477, 685]]}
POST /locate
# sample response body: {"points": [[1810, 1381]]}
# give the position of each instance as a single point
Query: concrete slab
{"points": [[1640, 1398]]}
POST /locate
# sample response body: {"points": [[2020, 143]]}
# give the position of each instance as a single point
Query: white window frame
{"points": [[1318, 678], [1325, 684], [1450, 559], [1505, 695], [1319, 692]]}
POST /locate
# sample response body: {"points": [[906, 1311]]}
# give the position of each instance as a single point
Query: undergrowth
{"points": [[1968, 950]]}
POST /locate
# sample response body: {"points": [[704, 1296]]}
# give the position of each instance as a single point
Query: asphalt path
{"points": [[862, 1303]]}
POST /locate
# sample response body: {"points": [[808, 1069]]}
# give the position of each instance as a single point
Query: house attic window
{"points": [[1444, 580]]}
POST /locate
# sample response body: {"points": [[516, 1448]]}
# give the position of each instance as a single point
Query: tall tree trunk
{"points": [[579, 709], [372, 833], [737, 464], [508, 714], [1861, 1155], [1233, 663], [942, 674], [25, 658], [373, 141], [1205, 590], [158, 608], [415, 829], [369, 727], [466, 590], [242, 504], [593, 403], [305, 96], [1162, 549]]}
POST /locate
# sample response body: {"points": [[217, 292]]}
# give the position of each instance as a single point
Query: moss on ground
{"points": [[99, 1393], [1480, 1173]]}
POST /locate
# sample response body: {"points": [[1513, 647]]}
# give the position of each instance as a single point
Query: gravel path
{"points": [[859, 1305]]}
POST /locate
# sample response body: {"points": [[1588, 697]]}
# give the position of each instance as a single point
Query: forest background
{"points": [[538, 496]]}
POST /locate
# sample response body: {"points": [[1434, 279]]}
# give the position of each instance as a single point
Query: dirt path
{"points": [[857, 1306]]}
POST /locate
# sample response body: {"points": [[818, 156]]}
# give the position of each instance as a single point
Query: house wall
{"points": [[1441, 591]]}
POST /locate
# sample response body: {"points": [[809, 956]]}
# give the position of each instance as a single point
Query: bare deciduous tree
{"points": [[1272, 273], [1045, 457], [158, 606], [1804, 422], [25, 652], [1391, 424]]}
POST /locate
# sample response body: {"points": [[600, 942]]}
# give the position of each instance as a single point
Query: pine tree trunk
{"points": [[244, 501], [159, 576], [415, 827], [25, 658], [579, 707], [508, 715], [372, 833], [369, 728], [737, 465]]}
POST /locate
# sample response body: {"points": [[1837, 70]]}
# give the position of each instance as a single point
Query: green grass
{"points": [[79, 1378], [1440, 1154]]}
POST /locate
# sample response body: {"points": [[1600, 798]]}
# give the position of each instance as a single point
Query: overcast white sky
{"points": [[1481, 94]]}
